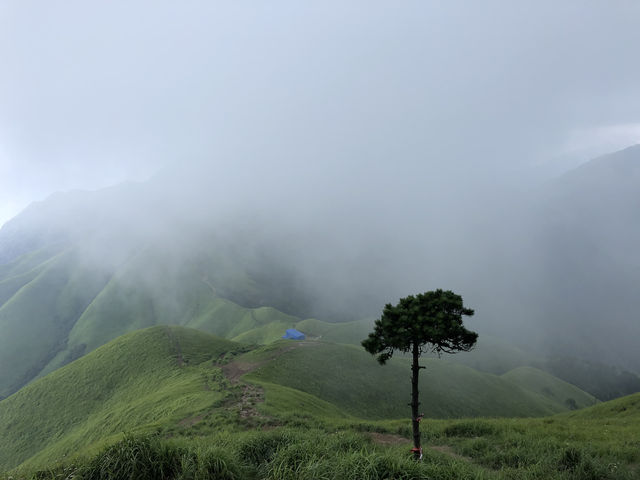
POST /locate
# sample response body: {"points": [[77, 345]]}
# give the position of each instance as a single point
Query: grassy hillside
{"points": [[17, 274], [346, 332], [550, 387], [352, 380], [149, 377], [625, 409], [35, 320], [251, 325], [599, 443], [605, 382], [186, 385], [494, 355], [162, 376], [56, 307], [27, 262]]}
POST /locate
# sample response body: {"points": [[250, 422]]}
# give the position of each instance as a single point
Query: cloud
{"points": [[600, 140], [456, 93]]}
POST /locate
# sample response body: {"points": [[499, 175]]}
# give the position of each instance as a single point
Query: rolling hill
{"points": [[176, 379], [624, 409], [143, 379], [56, 307], [350, 378], [550, 387]]}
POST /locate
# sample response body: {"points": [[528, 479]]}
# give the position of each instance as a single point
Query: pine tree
{"points": [[430, 321]]}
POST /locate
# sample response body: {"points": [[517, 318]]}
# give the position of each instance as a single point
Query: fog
{"points": [[368, 151], [500, 92]]}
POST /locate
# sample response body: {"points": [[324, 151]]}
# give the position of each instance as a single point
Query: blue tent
{"points": [[293, 334]]}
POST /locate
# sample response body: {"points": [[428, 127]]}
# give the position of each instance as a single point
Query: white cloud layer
{"points": [[96, 92]]}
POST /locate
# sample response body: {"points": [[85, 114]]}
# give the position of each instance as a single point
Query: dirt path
{"points": [[388, 439], [190, 421], [235, 369], [251, 396]]}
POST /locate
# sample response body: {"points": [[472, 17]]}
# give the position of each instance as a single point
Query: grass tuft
{"points": [[471, 428]]}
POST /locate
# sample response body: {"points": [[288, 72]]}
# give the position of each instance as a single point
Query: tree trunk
{"points": [[415, 370]]}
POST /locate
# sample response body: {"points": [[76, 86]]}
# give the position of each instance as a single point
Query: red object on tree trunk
{"points": [[417, 452]]}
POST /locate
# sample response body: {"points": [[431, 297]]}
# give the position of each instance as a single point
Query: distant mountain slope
{"points": [[550, 387], [42, 305], [494, 355], [603, 381], [563, 263], [67, 218], [144, 378], [587, 241]]}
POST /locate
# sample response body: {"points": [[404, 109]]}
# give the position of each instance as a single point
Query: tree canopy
{"points": [[430, 320]]}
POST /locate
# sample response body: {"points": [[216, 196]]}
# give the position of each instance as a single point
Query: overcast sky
{"points": [[94, 93]]}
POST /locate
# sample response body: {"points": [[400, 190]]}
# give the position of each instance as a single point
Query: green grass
{"points": [[28, 262], [553, 448], [264, 334], [136, 381], [293, 405], [353, 381], [143, 292], [597, 442], [252, 325], [623, 409], [36, 319], [550, 387], [56, 308], [345, 332], [273, 324], [10, 285], [165, 386]]}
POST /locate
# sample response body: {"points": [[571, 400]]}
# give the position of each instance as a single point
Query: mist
{"points": [[355, 153], [497, 92]]}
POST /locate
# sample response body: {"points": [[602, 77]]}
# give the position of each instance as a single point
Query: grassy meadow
{"points": [[594, 444], [178, 403]]}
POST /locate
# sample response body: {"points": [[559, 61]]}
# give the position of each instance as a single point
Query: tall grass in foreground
{"points": [[600, 443], [479, 450], [149, 458], [279, 454]]}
